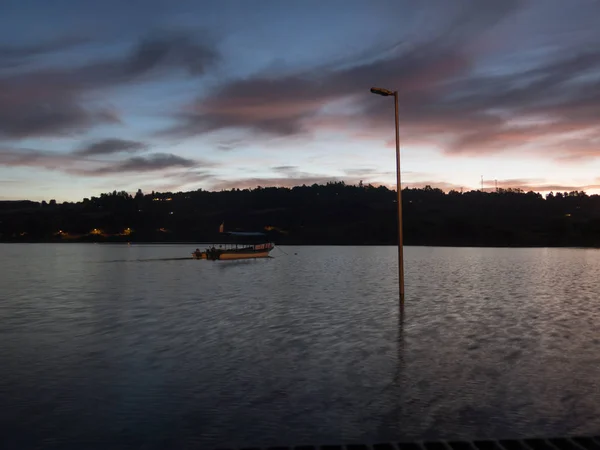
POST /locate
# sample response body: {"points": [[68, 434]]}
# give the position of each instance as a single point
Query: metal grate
{"points": [[571, 443]]}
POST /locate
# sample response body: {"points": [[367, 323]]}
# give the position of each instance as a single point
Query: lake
{"points": [[141, 346]]}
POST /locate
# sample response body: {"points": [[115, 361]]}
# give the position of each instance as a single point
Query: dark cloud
{"points": [[153, 55], [176, 50], [54, 115], [445, 97], [229, 145], [285, 169], [49, 102], [151, 163], [75, 164], [23, 157], [11, 56], [495, 113], [280, 104], [112, 146]]}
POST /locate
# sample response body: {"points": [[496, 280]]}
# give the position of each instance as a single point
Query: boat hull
{"points": [[250, 255], [252, 252]]}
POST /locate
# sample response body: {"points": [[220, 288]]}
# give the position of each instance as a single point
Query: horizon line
{"points": [[420, 186]]}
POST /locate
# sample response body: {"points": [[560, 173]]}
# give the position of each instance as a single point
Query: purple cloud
{"points": [[112, 146], [139, 164], [444, 98]]}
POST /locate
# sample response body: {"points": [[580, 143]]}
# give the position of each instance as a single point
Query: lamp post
{"points": [[387, 93]]}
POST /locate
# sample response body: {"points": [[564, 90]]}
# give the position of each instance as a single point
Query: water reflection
{"points": [[227, 265], [310, 348]]}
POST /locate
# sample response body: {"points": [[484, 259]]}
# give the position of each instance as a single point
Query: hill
{"points": [[335, 213]]}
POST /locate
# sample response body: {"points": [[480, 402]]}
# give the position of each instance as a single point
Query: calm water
{"points": [[142, 346]]}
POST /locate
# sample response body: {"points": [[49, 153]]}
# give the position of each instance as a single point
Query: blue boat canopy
{"points": [[245, 233]]}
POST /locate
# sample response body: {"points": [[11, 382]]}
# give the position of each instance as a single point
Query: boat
{"points": [[258, 247], [231, 251]]}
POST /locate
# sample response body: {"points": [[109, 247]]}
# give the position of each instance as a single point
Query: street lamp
{"points": [[387, 93]]}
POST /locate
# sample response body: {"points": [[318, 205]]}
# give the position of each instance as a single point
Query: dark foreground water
{"points": [[140, 346]]}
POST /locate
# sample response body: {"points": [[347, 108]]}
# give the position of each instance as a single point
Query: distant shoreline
{"points": [[201, 244], [334, 214]]}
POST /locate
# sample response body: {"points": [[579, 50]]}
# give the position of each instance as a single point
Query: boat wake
{"points": [[146, 260]]}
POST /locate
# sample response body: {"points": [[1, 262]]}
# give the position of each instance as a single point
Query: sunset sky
{"points": [[180, 95]]}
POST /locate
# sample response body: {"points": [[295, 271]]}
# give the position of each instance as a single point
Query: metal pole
{"points": [[399, 189]]}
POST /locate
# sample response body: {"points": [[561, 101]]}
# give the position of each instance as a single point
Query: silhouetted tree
{"points": [[334, 213]]}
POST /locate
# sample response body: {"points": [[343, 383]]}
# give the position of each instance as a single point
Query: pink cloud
{"points": [[442, 100]]}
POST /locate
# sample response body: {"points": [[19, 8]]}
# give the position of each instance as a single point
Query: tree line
{"points": [[331, 214]]}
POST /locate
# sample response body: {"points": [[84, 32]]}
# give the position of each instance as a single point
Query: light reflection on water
{"points": [[144, 346]]}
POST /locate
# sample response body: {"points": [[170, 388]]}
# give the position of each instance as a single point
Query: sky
{"points": [[183, 95]]}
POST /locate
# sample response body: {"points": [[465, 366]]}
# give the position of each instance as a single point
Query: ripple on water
{"points": [[297, 349]]}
